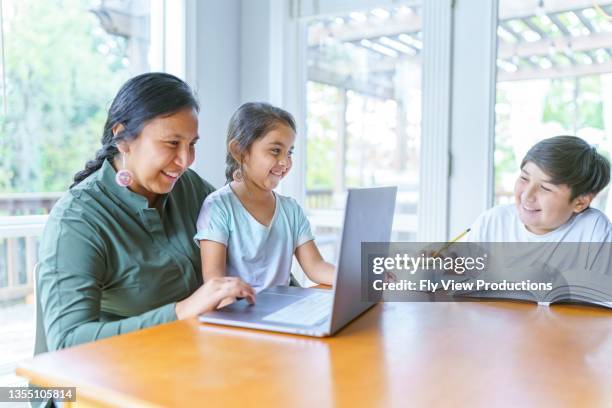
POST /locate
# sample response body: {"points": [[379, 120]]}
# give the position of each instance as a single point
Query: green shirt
{"points": [[109, 264]]}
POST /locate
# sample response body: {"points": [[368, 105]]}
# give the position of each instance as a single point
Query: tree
{"points": [[62, 71]]}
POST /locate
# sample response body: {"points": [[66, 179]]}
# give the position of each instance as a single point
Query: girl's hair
{"points": [[250, 122], [139, 100], [572, 161]]}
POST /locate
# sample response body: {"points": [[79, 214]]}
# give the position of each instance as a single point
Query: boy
{"points": [[560, 176]]}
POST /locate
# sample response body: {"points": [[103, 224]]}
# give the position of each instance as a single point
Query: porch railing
{"points": [[19, 237], [22, 219]]}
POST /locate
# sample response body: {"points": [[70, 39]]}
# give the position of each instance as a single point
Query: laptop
{"points": [[368, 217]]}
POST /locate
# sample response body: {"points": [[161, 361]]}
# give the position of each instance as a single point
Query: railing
{"points": [[19, 234], [27, 203], [20, 230], [319, 198], [18, 254]]}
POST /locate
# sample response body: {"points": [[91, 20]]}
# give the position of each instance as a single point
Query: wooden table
{"points": [[397, 354]]}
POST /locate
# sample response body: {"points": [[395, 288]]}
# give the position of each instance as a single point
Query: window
{"points": [[554, 77], [64, 61], [363, 112]]}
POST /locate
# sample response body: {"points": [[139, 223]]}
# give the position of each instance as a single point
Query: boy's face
{"points": [[543, 206]]}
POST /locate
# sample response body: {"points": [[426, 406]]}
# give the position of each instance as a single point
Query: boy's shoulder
{"points": [[593, 225], [504, 214], [502, 223], [593, 215], [498, 223]]}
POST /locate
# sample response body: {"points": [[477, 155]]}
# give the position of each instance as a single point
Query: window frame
{"points": [[435, 135]]}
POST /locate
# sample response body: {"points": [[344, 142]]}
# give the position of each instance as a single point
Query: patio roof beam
{"points": [[550, 7], [417, 49], [398, 24], [585, 22], [384, 65], [559, 25], [556, 72], [542, 47], [377, 41], [533, 27], [519, 38], [591, 55], [351, 32], [366, 88], [569, 57]]}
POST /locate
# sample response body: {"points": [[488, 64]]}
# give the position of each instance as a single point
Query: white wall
{"points": [[473, 99], [254, 50], [217, 70], [240, 56]]}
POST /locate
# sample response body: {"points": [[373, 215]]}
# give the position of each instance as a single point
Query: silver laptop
{"points": [[368, 217]]}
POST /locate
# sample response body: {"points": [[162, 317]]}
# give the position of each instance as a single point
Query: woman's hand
{"points": [[209, 296]]}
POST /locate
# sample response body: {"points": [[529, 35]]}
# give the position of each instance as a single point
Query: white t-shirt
{"points": [[581, 244], [502, 224]]}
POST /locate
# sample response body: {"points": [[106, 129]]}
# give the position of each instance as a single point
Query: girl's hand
{"points": [[210, 295]]}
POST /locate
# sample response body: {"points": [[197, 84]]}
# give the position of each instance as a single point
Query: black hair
{"points": [[250, 122], [139, 100], [571, 161]]}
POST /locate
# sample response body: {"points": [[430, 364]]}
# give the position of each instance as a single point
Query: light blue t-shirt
{"points": [[258, 254]]}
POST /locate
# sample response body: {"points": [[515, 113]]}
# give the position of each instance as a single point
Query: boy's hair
{"points": [[250, 122], [572, 161]]}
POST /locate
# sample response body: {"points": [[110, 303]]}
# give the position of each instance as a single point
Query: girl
{"points": [[245, 229]]}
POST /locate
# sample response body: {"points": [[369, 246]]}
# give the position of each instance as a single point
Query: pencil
{"points": [[449, 243]]}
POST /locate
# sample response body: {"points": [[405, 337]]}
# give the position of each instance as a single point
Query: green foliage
{"points": [[62, 70], [575, 103], [321, 163], [505, 159], [323, 103]]}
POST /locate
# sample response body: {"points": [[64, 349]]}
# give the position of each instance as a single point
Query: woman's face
{"points": [[162, 152]]}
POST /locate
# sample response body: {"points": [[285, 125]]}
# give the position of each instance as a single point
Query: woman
{"points": [[117, 252]]}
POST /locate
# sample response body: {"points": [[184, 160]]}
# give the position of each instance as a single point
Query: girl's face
{"points": [[543, 206], [162, 152], [268, 159]]}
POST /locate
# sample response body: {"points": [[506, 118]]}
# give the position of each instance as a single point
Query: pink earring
{"points": [[237, 175], [124, 177]]}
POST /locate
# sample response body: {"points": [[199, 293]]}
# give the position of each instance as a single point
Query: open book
{"points": [[544, 272], [539, 284]]}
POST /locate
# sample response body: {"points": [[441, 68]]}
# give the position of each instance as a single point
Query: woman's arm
{"points": [[314, 265], [72, 278]]}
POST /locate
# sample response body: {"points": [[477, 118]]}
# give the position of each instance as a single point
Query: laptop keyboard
{"points": [[306, 311]]}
